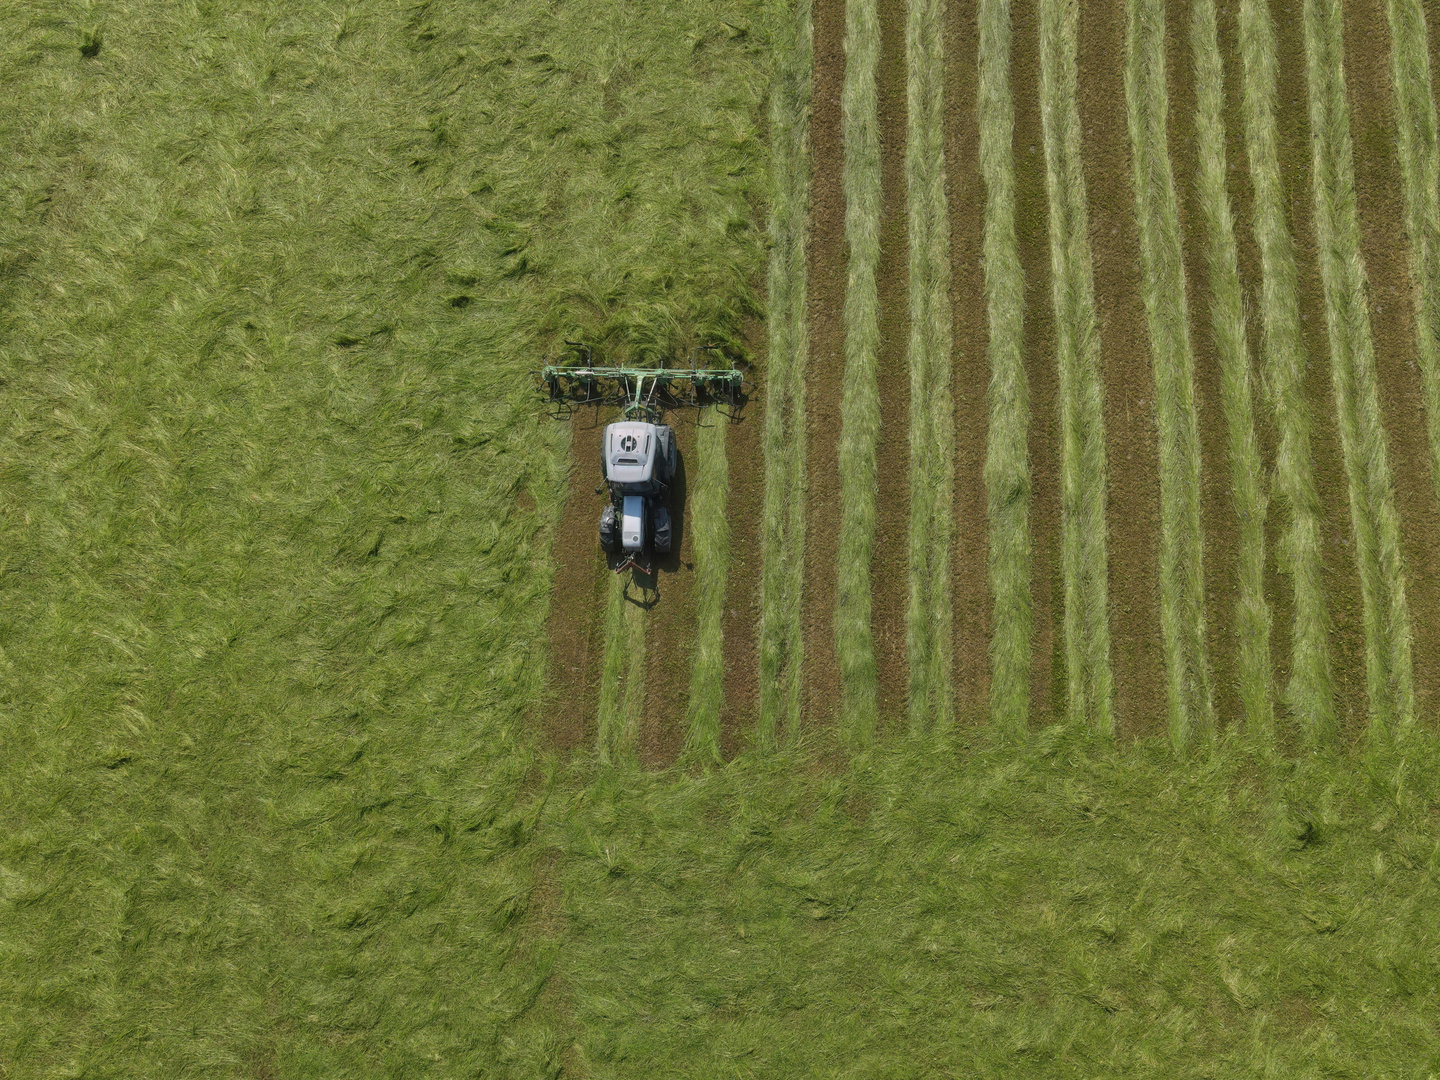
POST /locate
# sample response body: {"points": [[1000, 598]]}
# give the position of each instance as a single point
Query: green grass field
{"points": [[1063, 910], [277, 503]]}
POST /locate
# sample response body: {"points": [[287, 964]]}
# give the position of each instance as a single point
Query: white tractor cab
{"points": [[638, 460]]}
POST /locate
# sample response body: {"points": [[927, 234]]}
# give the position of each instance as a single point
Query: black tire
{"points": [[609, 530], [661, 537], [666, 437]]}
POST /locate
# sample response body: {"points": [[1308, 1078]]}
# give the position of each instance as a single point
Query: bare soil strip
{"points": [[1385, 250], [1217, 506], [1047, 677], [825, 369], [670, 623], [971, 370], [1342, 579], [744, 447], [888, 581], [577, 602], [1432, 21], [1134, 476]]}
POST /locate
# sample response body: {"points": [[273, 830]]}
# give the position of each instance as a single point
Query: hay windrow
{"points": [[1089, 680], [1310, 693], [783, 526], [932, 438], [1182, 577], [1227, 308], [860, 404], [1007, 465]]}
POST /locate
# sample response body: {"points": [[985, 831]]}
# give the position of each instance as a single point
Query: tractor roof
{"points": [[630, 450]]}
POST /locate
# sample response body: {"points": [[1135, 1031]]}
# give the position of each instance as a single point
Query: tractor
{"points": [[638, 455], [638, 460]]}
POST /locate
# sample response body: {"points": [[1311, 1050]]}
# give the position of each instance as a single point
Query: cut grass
{"points": [[1420, 175], [710, 532], [1227, 320], [1310, 691], [1090, 686], [276, 501], [929, 648], [1191, 705], [622, 678], [1374, 519], [783, 525], [1007, 462], [1068, 909], [860, 399]]}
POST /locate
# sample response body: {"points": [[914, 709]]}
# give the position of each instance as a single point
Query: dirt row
{"points": [[1130, 417], [825, 369], [577, 606], [889, 583], [970, 374]]}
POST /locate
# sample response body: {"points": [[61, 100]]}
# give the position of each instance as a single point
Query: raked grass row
{"points": [[1309, 694], [929, 649], [709, 499], [783, 524], [1090, 684], [1228, 331], [1420, 175], [1007, 464], [860, 396], [1162, 274]]}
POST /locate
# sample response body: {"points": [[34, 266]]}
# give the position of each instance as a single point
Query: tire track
{"points": [[1047, 674], [970, 589], [577, 601], [744, 446], [1133, 516], [824, 370], [670, 623], [888, 581]]}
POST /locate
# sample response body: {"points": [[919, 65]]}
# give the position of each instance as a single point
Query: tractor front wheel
{"points": [[661, 541]]}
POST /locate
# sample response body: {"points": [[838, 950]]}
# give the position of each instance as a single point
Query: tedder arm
{"points": [[642, 391]]}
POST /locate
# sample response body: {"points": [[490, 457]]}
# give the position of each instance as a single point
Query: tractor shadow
{"points": [[644, 590]]}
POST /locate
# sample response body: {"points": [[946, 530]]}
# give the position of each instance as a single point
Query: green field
{"points": [[278, 505]]}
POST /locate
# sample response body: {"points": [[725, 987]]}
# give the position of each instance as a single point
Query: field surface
{"points": [[1044, 679]]}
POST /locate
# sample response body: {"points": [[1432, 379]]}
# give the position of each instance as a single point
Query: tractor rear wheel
{"points": [[665, 436], [661, 540], [609, 530]]}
